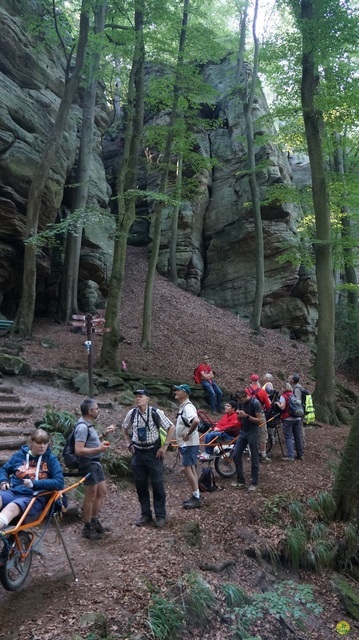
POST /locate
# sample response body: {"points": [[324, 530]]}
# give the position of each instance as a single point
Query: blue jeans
{"points": [[215, 395], [292, 429], [213, 435], [249, 438], [146, 467]]}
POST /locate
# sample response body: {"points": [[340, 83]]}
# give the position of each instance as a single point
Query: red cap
{"points": [[254, 377]]}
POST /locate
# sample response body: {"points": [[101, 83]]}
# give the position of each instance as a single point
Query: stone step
{"points": [[10, 397], [12, 443], [10, 408], [4, 456], [5, 420], [15, 431]]}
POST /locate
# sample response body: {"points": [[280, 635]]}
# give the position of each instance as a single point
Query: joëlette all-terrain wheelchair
{"points": [[19, 541]]}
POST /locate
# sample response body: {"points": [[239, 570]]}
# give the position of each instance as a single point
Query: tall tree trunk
{"points": [[346, 484], [174, 222], [25, 314], [69, 285], [246, 91], [324, 394], [348, 253], [147, 307], [126, 195]]}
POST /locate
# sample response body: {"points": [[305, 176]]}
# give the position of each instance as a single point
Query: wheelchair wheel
{"points": [[224, 465], [15, 567]]}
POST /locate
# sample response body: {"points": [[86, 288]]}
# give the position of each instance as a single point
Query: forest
{"points": [[128, 140]]}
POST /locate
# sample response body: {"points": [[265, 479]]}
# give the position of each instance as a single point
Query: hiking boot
{"points": [[252, 487], [89, 532], [287, 459], [160, 523], [193, 503], [264, 459], [99, 527], [205, 457], [143, 521], [238, 485]]}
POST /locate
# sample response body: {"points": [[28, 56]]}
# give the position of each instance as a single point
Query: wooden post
{"points": [[88, 344]]}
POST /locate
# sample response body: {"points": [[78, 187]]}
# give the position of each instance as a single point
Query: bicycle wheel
{"points": [[224, 465], [15, 567]]}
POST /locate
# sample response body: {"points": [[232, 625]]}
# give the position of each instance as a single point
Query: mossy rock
{"points": [[115, 383], [81, 384], [13, 365], [347, 595], [127, 398]]}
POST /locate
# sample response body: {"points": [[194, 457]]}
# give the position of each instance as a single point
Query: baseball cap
{"points": [[183, 387], [140, 392], [254, 377]]}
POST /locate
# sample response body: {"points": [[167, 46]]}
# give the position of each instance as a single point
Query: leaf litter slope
{"points": [[118, 574]]}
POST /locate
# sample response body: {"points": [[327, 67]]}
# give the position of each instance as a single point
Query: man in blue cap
{"points": [[188, 441]]}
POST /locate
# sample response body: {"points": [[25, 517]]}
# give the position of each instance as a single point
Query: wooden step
{"points": [[10, 408], [5, 389], [4, 420], [9, 397], [12, 443], [15, 431]]}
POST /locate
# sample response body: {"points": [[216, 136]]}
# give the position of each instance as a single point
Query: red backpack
{"points": [[197, 375]]}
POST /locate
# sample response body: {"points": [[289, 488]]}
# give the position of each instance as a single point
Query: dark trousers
{"points": [[245, 438], [147, 467]]}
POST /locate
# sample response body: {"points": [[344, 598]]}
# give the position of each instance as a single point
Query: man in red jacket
{"points": [[256, 391], [226, 429]]}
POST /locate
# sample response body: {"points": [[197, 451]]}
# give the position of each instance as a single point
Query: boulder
{"points": [[13, 365]]}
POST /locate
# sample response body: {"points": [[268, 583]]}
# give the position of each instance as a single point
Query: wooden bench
{"points": [[5, 325]]}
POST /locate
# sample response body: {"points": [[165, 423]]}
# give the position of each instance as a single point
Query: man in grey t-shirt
{"points": [[89, 448]]}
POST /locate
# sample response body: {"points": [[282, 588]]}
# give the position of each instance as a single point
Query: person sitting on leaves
{"points": [[29, 471], [225, 429]]}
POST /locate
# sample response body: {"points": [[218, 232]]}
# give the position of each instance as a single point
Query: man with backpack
{"points": [[292, 413], [250, 413], [301, 394], [256, 391], [89, 449], [142, 427], [188, 441], [204, 375]]}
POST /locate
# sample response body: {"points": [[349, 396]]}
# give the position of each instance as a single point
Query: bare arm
{"points": [[83, 451]]}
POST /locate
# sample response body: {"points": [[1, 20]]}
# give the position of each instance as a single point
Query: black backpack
{"points": [[71, 460], [207, 481]]}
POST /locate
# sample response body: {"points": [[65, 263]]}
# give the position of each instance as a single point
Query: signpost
{"points": [[93, 324]]}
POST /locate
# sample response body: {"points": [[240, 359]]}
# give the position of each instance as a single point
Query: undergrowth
{"points": [[197, 605]]}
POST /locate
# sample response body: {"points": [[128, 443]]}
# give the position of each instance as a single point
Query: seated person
{"points": [[31, 470], [204, 375], [226, 429]]}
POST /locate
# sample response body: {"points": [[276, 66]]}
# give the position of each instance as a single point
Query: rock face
{"points": [[216, 240], [32, 82]]}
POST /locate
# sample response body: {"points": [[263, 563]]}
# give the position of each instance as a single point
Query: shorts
{"points": [[263, 434], [189, 455], [23, 501], [94, 467]]}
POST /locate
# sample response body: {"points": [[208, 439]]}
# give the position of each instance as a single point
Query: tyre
{"points": [[224, 464], [15, 567]]}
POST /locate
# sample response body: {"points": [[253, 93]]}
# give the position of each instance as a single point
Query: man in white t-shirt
{"points": [[188, 441]]}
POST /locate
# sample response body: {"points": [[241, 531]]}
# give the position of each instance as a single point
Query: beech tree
{"points": [[69, 283], [174, 115], [25, 315], [126, 192]]}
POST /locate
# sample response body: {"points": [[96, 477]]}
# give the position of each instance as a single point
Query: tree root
{"points": [[217, 568]]}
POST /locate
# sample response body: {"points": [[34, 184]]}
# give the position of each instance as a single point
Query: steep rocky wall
{"points": [[216, 239], [32, 82]]}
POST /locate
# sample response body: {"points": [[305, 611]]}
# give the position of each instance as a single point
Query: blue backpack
{"points": [[295, 407]]}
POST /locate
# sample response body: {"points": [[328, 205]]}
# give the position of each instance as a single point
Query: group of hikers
{"points": [[149, 432]]}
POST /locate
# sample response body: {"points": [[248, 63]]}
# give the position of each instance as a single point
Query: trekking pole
{"points": [[65, 548]]}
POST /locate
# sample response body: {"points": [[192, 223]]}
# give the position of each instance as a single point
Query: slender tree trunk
{"points": [[348, 253], [126, 195], [147, 307], [25, 314], [324, 394], [69, 285], [346, 484], [174, 222]]}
